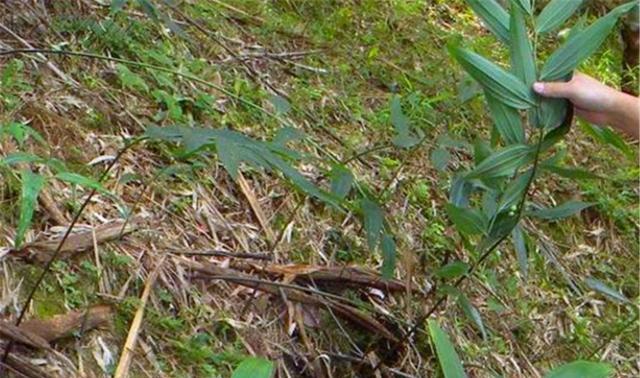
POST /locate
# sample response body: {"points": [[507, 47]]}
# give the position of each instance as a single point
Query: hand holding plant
{"points": [[596, 102]]}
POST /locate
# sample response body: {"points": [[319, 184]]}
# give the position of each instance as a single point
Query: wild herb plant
{"points": [[489, 202]]}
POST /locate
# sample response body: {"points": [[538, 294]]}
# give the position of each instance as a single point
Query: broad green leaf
{"points": [[524, 5], [572, 173], [388, 247], [507, 121], [500, 84], [20, 157], [606, 136], [32, 183], [341, 181], [76, 179], [468, 89], [501, 227], [460, 191], [556, 134], [489, 203], [581, 369], [280, 104], [565, 210], [149, 9], [521, 53], [403, 138], [447, 356], [481, 151], [452, 270], [287, 134], [550, 113], [254, 367], [602, 288], [520, 245], [440, 158], [493, 15], [568, 56], [235, 148], [514, 191], [373, 221], [116, 5], [229, 155], [472, 313], [555, 14], [502, 163], [467, 221]]}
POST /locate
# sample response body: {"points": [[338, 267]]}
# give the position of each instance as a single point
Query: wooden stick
{"points": [[122, 371], [255, 206]]}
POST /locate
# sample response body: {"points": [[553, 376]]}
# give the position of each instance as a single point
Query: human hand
{"points": [[596, 102]]}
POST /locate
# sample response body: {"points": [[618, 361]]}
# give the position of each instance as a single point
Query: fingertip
{"points": [[538, 88]]}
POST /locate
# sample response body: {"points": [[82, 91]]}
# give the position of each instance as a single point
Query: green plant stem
{"points": [[56, 253], [475, 266]]}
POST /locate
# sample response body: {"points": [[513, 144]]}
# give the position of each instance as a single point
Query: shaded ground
{"points": [[339, 63]]}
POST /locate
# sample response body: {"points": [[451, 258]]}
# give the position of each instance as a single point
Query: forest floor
{"points": [[252, 265]]}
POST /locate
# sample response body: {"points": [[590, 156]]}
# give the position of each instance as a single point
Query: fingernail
{"points": [[538, 87]]}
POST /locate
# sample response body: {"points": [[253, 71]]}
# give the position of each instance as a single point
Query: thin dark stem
{"points": [[474, 267], [56, 253]]}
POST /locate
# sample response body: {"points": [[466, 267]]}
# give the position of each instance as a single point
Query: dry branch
{"points": [[66, 325], [354, 315], [344, 276], [122, 370], [41, 251]]}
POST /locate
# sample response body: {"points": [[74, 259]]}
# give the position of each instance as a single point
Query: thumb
{"points": [[557, 89]]}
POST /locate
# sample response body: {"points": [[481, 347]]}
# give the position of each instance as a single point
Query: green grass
{"points": [[372, 50]]}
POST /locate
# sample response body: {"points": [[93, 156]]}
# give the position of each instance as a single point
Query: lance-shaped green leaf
{"points": [[467, 307], [467, 221], [460, 191], [447, 357], [32, 183], [524, 5], [373, 221], [506, 120], [493, 15], [341, 181], [440, 158], [254, 367], [503, 162], [550, 113], [555, 14], [568, 56], [581, 369], [520, 245], [572, 173], [388, 247], [565, 210], [452, 270], [513, 193], [404, 137], [472, 313], [602, 288], [521, 53], [502, 85]]}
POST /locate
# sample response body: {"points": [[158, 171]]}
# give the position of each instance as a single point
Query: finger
{"points": [[553, 89]]}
